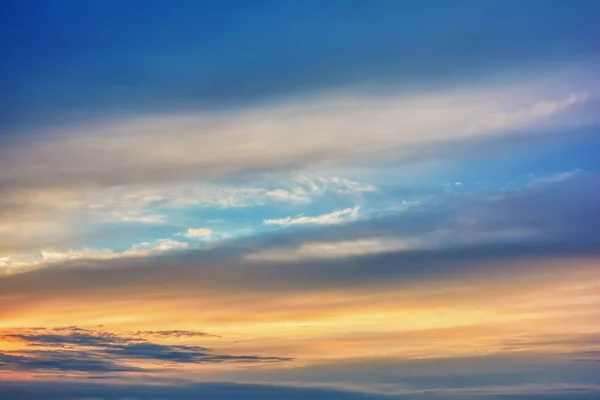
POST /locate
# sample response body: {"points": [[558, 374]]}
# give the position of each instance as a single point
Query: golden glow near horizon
{"points": [[547, 312]]}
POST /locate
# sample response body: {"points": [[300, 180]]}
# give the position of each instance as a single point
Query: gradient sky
{"points": [[350, 200]]}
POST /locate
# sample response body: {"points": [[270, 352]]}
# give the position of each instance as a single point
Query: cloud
{"points": [[47, 219], [325, 130], [94, 351], [16, 264], [554, 220], [65, 336], [306, 189], [249, 65], [337, 249], [300, 189], [333, 218], [198, 233], [469, 266], [481, 272], [436, 240], [60, 360]]}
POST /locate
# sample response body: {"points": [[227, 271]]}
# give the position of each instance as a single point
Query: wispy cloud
{"points": [[22, 263], [35, 219], [332, 218], [334, 129], [296, 189]]}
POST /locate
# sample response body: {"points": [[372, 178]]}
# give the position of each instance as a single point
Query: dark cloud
{"points": [[181, 354], [61, 361], [97, 351], [73, 335], [67, 336]]}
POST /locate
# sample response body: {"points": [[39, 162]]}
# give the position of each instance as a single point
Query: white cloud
{"points": [[198, 233], [335, 217], [329, 129], [41, 217], [25, 262], [159, 246]]}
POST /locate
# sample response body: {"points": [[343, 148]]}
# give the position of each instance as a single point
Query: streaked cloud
{"points": [[22, 263], [76, 349], [332, 218], [350, 127]]}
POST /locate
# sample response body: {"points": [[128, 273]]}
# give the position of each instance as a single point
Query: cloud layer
{"points": [[328, 130]]}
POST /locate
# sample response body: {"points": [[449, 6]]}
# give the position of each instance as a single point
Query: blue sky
{"points": [[344, 199]]}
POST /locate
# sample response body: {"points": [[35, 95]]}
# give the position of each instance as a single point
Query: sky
{"points": [[350, 200]]}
